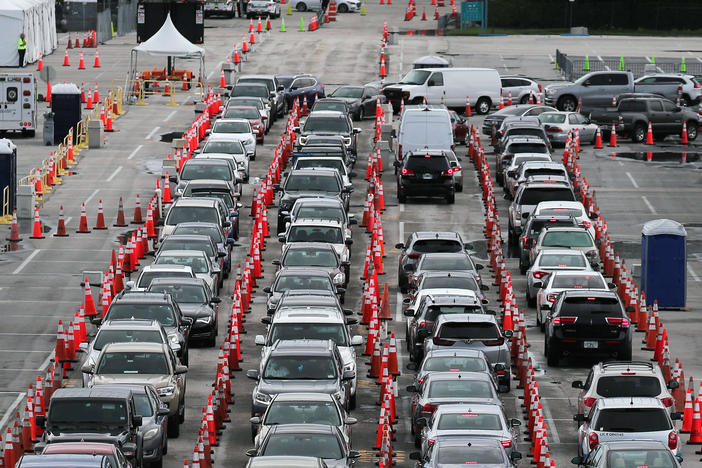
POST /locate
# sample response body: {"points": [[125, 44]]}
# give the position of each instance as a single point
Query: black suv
{"points": [[531, 231], [586, 322], [105, 413], [153, 306], [422, 242], [425, 173]]}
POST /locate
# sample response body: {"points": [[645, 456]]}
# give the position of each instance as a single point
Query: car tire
{"points": [[539, 322], [157, 464], [451, 198], [301, 7], [416, 355], [552, 354], [522, 267], [638, 135], [402, 198], [352, 401], [343, 8], [524, 99], [530, 300], [567, 103], [507, 383], [211, 342], [173, 427], [417, 440], [185, 358], [692, 130], [482, 107], [342, 298], [261, 142]]}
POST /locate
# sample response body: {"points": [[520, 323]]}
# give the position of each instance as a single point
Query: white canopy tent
{"points": [[36, 19]]}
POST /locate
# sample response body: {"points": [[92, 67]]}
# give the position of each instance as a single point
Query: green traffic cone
{"points": [[653, 59], [621, 63], [289, 8], [683, 67], [363, 9], [282, 24], [302, 24], [555, 65], [586, 65]]}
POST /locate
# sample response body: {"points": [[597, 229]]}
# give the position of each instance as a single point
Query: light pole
{"points": [[570, 14]]}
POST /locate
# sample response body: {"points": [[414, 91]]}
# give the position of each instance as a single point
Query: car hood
{"points": [[157, 381], [274, 387], [114, 436], [333, 463], [558, 85], [349, 100], [195, 310]]}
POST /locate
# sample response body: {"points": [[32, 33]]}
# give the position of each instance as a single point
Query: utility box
{"points": [[664, 263], [96, 134], [66, 106], [8, 177], [48, 133]]}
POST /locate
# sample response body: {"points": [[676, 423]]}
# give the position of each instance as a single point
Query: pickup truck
{"points": [[632, 116], [596, 90]]}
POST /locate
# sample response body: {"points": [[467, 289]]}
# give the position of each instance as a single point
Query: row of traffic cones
{"points": [[89, 40], [81, 61]]}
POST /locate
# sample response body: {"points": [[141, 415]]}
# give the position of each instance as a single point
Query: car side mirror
{"points": [[340, 290], [676, 416], [538, 284], [356, 131], [266, 321], [260, 340], [130, 284], [409, 267], [421, 422], [415, 456], [515, 456], [40, 420], [353, 221], [281, 238], [348, 242], [579, 418], [409, 312], [356, 340], [485, 301], [348, 375], [163, 411], [611, 285], [400, 245], [215, 300], [296, 129], [83, 347], [484, 287], [515, 422], [181, 369], [138, 420], [479, 266], [508, 333], [468, 246], [411, 389], [673, 384], [187, 320], [677, 109], [351, 321], [349, 421], [577, 384], [267, 290], [87, 369], [354, 454], [276, 187], [525, 215], [251, 452], [412, 366], [577, 460], [255, 420], [397, 164], [252, 374]]}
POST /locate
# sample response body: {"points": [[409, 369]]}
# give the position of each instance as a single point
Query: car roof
{"points": [[303, 347], [326, 171], [634, 444], [198, 224], [444, 254], [430, 151], [289, 461], [177, 280], [523, 139], [189, 237], [142, 346], [549, 205], [457, 352], [205, 162], [436, 235], [472, 407], [252, 84], [98, 391], [182, 253], [562, 252], [452, 293], [463, 299], [304, 429], [630, 402], [449, 274], [244, 77], [210, 183], [634, 366], [462, 375], [60, 460], [144, 296], [238, 119], [564, 229], [328, 113], [468, 440], [543, 184], [309, 246], [316, 222], [309, 315], [319, 201], [129, 324], [541, 217], [470, 318], [330, 99], [550, 164], [165, 268]]}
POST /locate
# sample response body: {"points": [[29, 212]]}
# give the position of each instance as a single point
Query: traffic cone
{"points": [[259, 26], [88, 301], [222, 80], [40, 63], [383, 73], [14, 229], [120, 215], [375, 359], [424, 13], [392, 356], [385, 304], [167, 190], [688, 413], [282, 24], [598, 139], [81, 62], [83, 226], [96, 94], [509, 97], [289, 12], [96, 63], [251, 25], [61, 228], [467, 113], [302, 24], [696, 429], [66, 63], [502, 101], [649, 134], [37, 231], [108, 122], [89, 104], [9, 456], [137, 212], [683, 137], [613, 137], [100, 224]]}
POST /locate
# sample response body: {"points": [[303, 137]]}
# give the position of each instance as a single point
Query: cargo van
{"points": [[448, 86], [18, 102], [424, 127]]}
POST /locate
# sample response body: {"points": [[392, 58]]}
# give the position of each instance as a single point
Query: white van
{"points": [[448, 86], [18, 102], [424, 127]]}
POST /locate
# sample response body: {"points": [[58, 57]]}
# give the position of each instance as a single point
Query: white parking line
{"points": [[44, 364], [114, 173], [398, 308], [27, 334], [95, 192], [555, 438], [648, 204], [631, 178], [152, 132], [136, 150], [402, 231], [692, 273], [168, 117], [26, 262]]}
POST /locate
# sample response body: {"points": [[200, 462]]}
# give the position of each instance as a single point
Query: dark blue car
{"points": [[301, 86]]}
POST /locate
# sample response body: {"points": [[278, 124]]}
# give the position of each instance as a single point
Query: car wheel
{"points": [[301, 7], [552, 354], [507, 382], [342, 298], [482, 107], [416, 355], [522, 267], [352, 401], [567, 104], [451, 198], [402, 198], [261, 142], [539, 322], [686, 101], [524, 99], [185, 358], [164, 451], [530, 300], [691, 130], [638, 135], [417, 441], [211, 342], [343, 8], [157, 464], [173, 427]]}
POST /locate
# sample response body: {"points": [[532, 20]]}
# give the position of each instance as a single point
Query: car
{"points": [[431, 307], [464, 280], [474, 331], [227, 146], [300, 366], [253, 115], [276, 461], [82, 460], [558, 281], [298, 278], [314, 323], [691, 91], [149, 272], [453, 262], [259, 89], [195, 301], [332, 146], [302, 408], [629, 453], [144, 363], [269, 8], [559, 125], [322, 441], [331, 104], [526, 127], [509, 170], [427, 173], [195, 242], [305, 161], [187, 210], [631, 418], [615, 379], [211, 169], [520, 171], [120, 331], [319, 208], [97, 449], [215, 233], [515, 145], [444, 388], [275, 88], [221, 189], [263, 107], [460, 128], [520, 88], [303, 88], [220, 7], [470, 420], [317, 255], [566, 208], [329, 123], [549, 261], [422, 242], [530, 194], [296, 298], [237, 128], [198, 261], [453, 360], [573, 238], [421, 127], [497, 117], [587, 323], [533, 227], [362, 100], [468, 451]]}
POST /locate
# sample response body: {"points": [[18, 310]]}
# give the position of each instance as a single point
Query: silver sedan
{"points": [[559, 124], [549, 261]]}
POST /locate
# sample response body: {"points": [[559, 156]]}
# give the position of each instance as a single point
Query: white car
{"points": [[548, 288], [550, 261], [263, 8], [225, 147], [198, 261], [236, 128], [521, 88], [574, 209], [343, 6], [305, 162]]}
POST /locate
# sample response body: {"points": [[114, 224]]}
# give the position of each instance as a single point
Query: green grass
{"points": [[474, 31]]}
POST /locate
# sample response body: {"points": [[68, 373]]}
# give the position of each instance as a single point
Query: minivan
{"points": [[424, 127]]}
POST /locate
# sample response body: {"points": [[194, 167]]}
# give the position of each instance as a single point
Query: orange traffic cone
{"points": [[651, 335], [108, 122], [120, 215], [385, 304], [598, 139], [502, 101], [167, 189], [222, 80], [137, 212], [683, 137], [14, 229], [688, 413], [649, 134], [96, 63], [392, 356], [89, 104], [81, 62], [424, 14], [66, 63], [83, 226], [40, 63], [696, 429], [613, 136], [100, 224], [47, 98], [37, 231], [61, 228]]}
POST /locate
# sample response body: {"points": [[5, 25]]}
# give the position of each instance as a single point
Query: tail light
{"points": [[620, 321], [428, 409], [589, 401], [407, 172], [426, 324], [593, 440], [672, 440], [551, 297], [525, 242], [447, 172], [541, 274], [554, 129], [420, 380], [697, 86], [26, 92], [506, 443], [585, 224], [564, 320], [26, 79], [456, 169], [497, 342], [541, 88], [414, 256], [668, 402], [431, 442], [439, 342]]}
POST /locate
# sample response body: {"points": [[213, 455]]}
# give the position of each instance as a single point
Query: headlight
{"points": [[173, 338], [347, 141], [205, 320], [350, 367], [150, 434], [166, 391], [262, 397], [241, 165], [339, 278], [303, 141]]}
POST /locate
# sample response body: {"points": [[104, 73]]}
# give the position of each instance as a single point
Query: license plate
{"points": [[590, 344], [427, 176]]}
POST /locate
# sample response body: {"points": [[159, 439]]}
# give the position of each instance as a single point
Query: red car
{"points": [[116, 457], [460, 128], [254, 117]]}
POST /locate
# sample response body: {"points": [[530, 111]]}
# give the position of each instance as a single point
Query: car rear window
{"points": [[427, 163], [437, 246], [529, 132], [447, 263], [320, 212], [586, 306], [187, 245], [186, 214], [543, 171], [332, 235], [632, 420], [552, 118], [454, 364], [469, 331], [289, 282], [515, 148], [574, 212], [538, 225], [577, 282], [611, 386], [469, 421], [470, 456], [231, 127], [435, 311], [535, 195], [561, 260], [567, 239], [649, 458], [460, 389], [302, 412], [455, 282]]}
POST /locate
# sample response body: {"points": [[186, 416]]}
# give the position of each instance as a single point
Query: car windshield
{"points": [[632, 420], [535, 195], [300, 368], [475, 455], [450, 282], [132, 363], [578, 282], [586, 306], [312, 183], [326, 125], [222, 126], [567, 239], [515, 148], [162, 313], [331, 163], [348, 92], [562, 260], [331, 234], [454, 364], [242, 101], [427, 163], [188, 214], [320, 258], [105, 337], [197, 263], [213, 231], [205, 171], [320, 212], [470, 422], [415, 77], [226, 147], [254, 90], [649, 458], [469, 331], [611, 386], [303, 412], [446, 263], [552, 118], [304, 445], [435, 311], [143, 405], [177, 244], [89, 411], [250, 113], [183, 293], [330, 106], [288, 282], [460, 388], [308, 331]]}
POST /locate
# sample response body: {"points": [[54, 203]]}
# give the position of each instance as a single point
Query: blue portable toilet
{"points": [[663, 263]]}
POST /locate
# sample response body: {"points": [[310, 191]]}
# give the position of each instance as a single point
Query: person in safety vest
{"points": [[21, 49]]}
